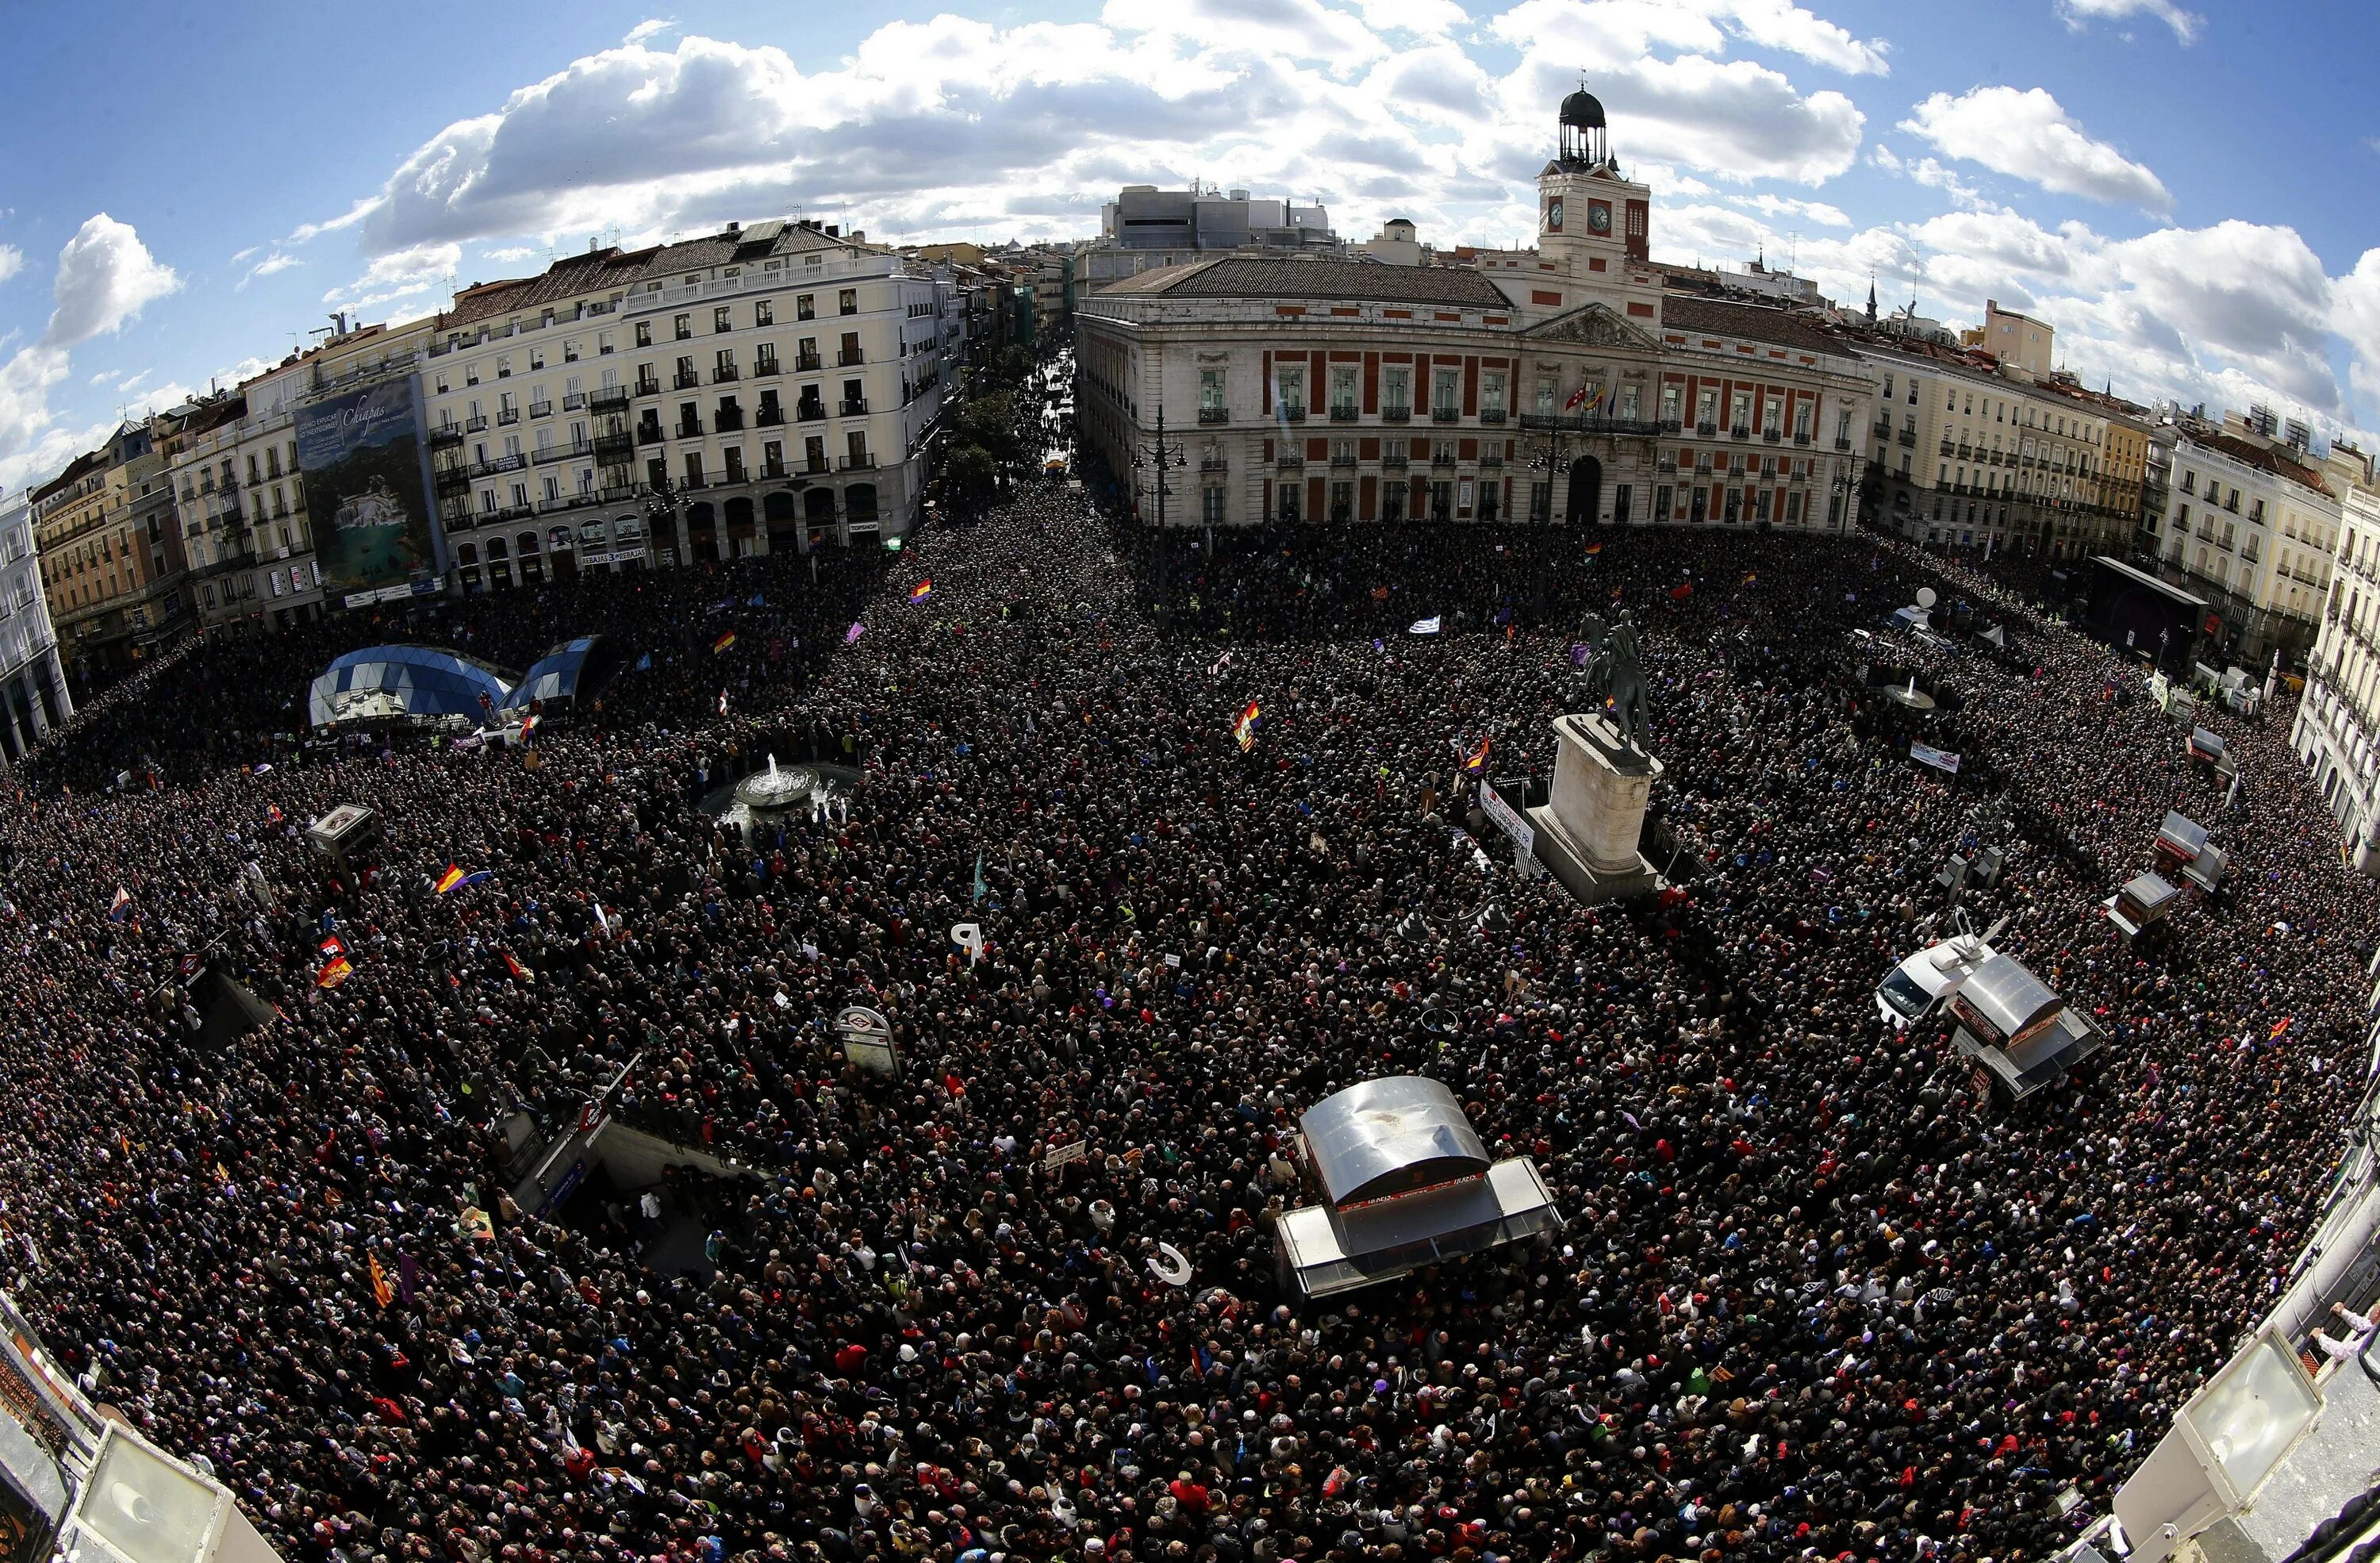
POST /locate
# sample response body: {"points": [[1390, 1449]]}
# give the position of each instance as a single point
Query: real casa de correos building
{"points": [[1558, 382]]}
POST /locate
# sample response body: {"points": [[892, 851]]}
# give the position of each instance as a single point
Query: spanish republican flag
{"points": [[520, 973], [449, 879], [921, 591], [1244, 730], [722, 643], [383, 1292], [2278, 1026], [1477, 760], [1594, 548]]}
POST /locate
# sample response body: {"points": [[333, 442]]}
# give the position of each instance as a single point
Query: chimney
{"points": [[835, 230]]}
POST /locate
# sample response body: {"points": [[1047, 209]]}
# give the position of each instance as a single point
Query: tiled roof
{"points": [[1782, 327], [1255, 276], [2256, 455]]}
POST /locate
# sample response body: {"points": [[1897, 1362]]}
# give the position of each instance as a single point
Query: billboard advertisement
{"points": [[361, 456]]}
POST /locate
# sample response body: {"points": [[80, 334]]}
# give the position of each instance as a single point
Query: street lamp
{"points": [[1161, 455], [1842, 490], [1548, 453]]}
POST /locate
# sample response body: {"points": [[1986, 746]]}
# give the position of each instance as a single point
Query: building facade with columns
{"points": [[1558, 383], [34, 694]]}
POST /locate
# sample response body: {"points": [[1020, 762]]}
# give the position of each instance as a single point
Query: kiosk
{"points": [[2141, 904], [344, 832], [2181, 845], [2022, 1036], [1403, 1181]]}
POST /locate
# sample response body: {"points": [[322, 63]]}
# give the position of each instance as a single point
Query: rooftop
{"points": [[1785, 328], [613, 269], [1251, 276], [2251, 455]]}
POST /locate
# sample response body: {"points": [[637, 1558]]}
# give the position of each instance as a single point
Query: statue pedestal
{"points": [[1587, 832]]}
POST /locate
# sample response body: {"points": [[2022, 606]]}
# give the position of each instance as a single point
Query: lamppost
{"points": [[1842, 490], [1161, 455], [1548, 453], [660, 508]]}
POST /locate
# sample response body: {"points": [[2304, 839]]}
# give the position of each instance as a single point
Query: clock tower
{"points": [[1592, 221]]}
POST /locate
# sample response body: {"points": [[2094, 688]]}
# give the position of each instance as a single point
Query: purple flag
{"points": [[853, 633], [408, 1276], [1578, 656]]}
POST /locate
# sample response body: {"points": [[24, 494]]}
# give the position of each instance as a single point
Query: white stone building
{"points": [[761, 390], [2338, 727], [34, 694], [2252, 527]]}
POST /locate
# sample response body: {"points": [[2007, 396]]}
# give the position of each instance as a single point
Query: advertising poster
{"points": [[361, 457]]}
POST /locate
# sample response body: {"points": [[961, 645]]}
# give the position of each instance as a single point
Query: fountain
{"points": [[767, 794], [1912, 698]]}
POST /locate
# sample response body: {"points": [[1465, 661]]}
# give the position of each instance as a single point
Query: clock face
{"points": [[1554, 214], [1599, 219]]}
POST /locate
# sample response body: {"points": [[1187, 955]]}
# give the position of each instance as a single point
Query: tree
{"points": [[1012, 365], [990, 424], [970, 477]]}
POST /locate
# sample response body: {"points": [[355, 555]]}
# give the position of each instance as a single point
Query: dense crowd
{"points": [[1811, 1298]]}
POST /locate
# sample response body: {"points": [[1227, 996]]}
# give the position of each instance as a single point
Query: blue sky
{"points": [[2175, 186]]}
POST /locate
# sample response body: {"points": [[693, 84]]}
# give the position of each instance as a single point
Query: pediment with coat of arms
{"points": [[1593, 325]]}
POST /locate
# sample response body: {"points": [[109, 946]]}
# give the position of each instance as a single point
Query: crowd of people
{"points": [[1812, 1297]]}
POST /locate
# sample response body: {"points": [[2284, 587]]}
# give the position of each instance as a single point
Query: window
{"points": [[723, 364], [846, 302], [1210, 506], [720, 320], [1707, 410], [1445, 391], [1396, 390], [682, 326], [694, 469], [805, 307], [1628, 402], [1290, 496], [1342, 391], [644, 333], [1547, 392], [1292, 392], [856, 449], [764, 313], [1669, 399], [1210, 392], [1491, 393]]}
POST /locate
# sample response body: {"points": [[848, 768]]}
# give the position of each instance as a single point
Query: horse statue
{"points": [[1615, 677]]}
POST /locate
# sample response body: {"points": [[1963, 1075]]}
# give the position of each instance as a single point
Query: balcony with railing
{"points": [[1396, 463], [1595, 423], [541, 410], [1491, 414], [507, 414], [685, 380], [770, 416], [1344, 461], [562, 453], [1291, 461], [1442, 461], [1445, 412], [1908, 436], [609, 399], [1396, 415], [475, 424], [853, 406], [690, 428], [807, 363], [445, 434], [850, 357], [614, 445], [809, 411], [648, 387], [863, 462], [1292, 412], [765, 367], [725, 373], [728, 419]]}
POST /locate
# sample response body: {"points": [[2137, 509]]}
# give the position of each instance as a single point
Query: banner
{"points": [[1940, 760], [359, 460]]}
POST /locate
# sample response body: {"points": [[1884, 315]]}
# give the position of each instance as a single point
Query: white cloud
{"points": [[1778, 24], [279, 260], [12, 260], [2027, 135], [106, 277], [1794, 210], [649, 27], [400, 274], [954, 128], [2080, 13]]}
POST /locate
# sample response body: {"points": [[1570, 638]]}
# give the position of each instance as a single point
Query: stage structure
{"points": [[1403, 1181]]}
